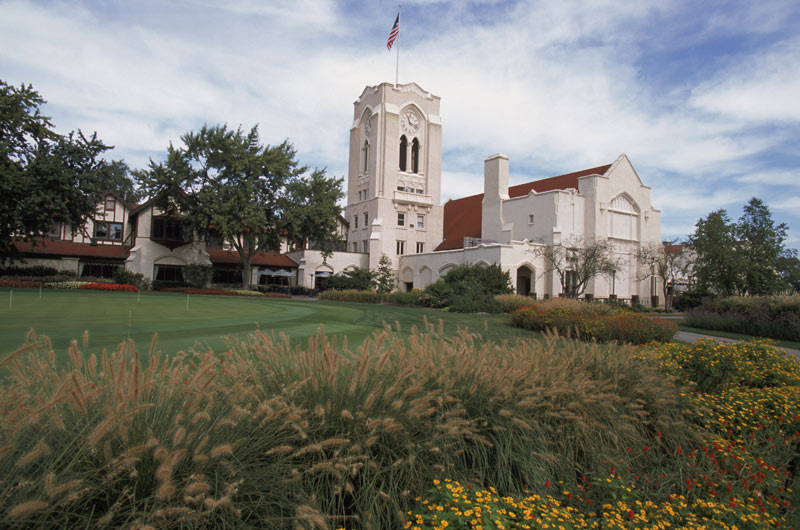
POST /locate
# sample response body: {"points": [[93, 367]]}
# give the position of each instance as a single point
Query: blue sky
{"points": [[704, 97]]}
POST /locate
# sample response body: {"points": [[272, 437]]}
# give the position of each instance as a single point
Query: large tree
{"points": [[577, 261], [746, 257], [311, 211], [117, 177], [761, 248], [225, 182], [44, 177], [666, 261]]}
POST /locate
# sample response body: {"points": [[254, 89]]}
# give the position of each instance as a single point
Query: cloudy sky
{"points": [[704, 97]]}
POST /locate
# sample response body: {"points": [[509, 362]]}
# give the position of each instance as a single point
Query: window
{"points": [[355, 246], [355, 221], [226, 274], [359, 195], [111, 204], [365, 246], [165, 228], [366, 219], [366, 156], [401, 247], [415, 156], [401, 219], [419, 191], [530, 218], [169, 273], [98, 270], [109, 231], [403, 152], [420, 221], [401, 188], [571, 280], [420, 248]]}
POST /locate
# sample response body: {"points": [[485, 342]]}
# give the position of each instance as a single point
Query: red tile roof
{"points": [[262, 259], [462, 217], [52, 247]]}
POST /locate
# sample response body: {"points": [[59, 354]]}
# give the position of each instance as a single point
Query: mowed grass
{"points": [[208, 322]]}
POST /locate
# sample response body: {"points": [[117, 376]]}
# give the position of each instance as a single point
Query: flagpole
{"points": [[397, 67]]}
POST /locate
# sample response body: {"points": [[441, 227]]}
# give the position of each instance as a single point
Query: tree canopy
{"points": [[225, 182], [310, 211], [746, 257], [45, 177]]}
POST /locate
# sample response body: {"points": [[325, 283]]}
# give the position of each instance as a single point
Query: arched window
{"points": [[366, 156], [403, 152], [415, 156]]}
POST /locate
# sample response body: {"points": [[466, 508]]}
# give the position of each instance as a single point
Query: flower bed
{"points": [[109, 287], [224, 292], [594, 321], [5, 283]]}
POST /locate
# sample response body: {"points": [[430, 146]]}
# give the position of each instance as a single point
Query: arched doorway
{"points": [[525, 277]]}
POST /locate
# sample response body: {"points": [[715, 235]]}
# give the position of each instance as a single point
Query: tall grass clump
{"points": [[509, 303], [270, 435], [593, 321], [776, 317]]}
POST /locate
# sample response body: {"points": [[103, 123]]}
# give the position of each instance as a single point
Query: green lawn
{"points": [[730, 335], [112, 317]]}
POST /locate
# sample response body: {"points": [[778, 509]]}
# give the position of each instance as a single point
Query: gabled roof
{"points": [[462, 217], [262, 259], [51, 247]]}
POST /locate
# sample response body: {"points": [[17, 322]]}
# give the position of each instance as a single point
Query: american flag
{"points": [[393, 34]]}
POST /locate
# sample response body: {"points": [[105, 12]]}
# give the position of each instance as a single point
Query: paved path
{"points": [[687, 336]]}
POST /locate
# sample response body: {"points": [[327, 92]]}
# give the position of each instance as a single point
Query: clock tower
{"points": [[395, 173]]}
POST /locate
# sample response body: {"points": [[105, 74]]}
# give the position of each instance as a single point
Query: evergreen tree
{"points": [[760, 247], [384, 277]]}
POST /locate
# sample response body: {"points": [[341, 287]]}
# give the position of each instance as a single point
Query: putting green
{"points": [[203, 322]]}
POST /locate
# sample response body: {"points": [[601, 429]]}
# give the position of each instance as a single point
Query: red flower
{"points": [[546, 483]]}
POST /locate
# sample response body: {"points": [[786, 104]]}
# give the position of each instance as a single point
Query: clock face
{"points": [[409, 123]]}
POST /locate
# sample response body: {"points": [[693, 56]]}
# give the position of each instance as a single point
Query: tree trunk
{"points": [[246, 258]]}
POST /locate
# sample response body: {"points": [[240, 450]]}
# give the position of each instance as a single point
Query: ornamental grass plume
{"points": [[351, 435]]}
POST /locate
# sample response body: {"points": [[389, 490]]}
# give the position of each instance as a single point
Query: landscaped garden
{"points": [[427, 428]]}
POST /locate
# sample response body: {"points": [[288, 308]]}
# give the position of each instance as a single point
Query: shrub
{"points": [[351, 295], [270, 436], [127, 277], [159, 285], [109, 287], [36, 270], [412, 297], [354, 279], [436, 294], [300, 290], [474, 302], [593, 322], [197, 275], [5, 283], [763, 316], [689, 299], [509, 303]]}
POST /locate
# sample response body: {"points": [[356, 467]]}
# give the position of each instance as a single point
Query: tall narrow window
{"points": [[366, 219], [403, 152], [401, 247], [366, 157], [415, 156], [355, 221], [420, 248], [420, 221], [401, 219]]}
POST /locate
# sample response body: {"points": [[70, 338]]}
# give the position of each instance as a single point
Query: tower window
{"points": [[366, 157], [366, 219], [355, 221], [531, 218], [403, 152], [420, 221], [420, 248], [401, 219], [415, 156], [401, 248]]}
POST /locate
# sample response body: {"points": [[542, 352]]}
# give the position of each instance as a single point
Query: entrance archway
{"points": [[525, 277]]}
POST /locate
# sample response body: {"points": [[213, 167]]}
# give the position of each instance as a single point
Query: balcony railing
{"points": [[407, 197]]}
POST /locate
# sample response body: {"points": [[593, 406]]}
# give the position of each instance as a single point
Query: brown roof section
{"points": [[462, 217], [262, 259], [53, 247]]}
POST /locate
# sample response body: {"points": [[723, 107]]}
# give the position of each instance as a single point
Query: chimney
{"points": [[495, 191], [495, 177]]}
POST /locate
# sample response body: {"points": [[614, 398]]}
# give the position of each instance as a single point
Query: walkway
{"points": [[687, 336]]}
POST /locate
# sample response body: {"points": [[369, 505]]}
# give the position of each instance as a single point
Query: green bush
{"points": [[436, 294], [158, 285], [354, 279], [351, 295], [36, 270], [689, 299], [126, 277], [775, 317], [197, 275], [412, 297], [474, 302], [268, 435], [468, 289]]}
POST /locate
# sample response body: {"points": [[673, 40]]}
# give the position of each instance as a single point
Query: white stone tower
{"points": [[395, 175]]}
